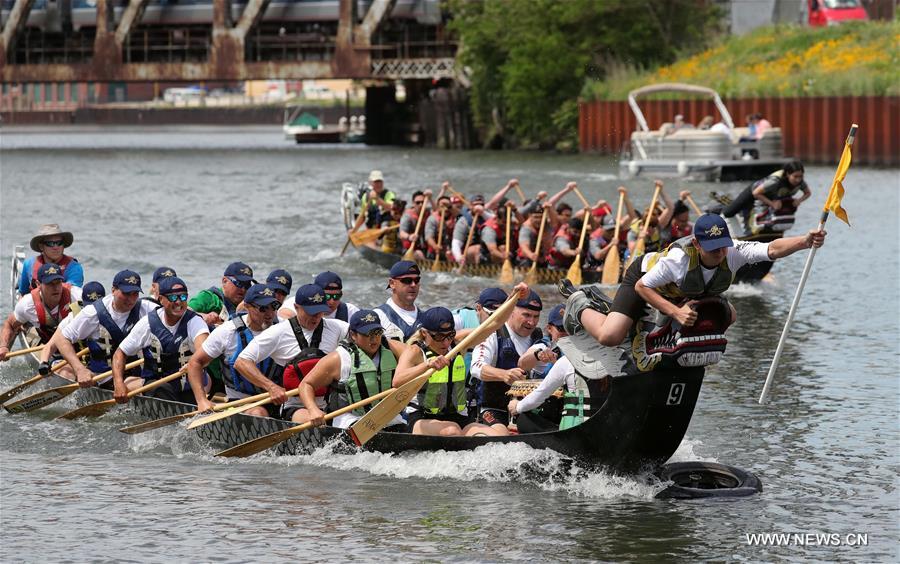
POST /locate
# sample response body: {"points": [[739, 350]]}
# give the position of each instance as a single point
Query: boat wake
{"points": [[742, 290]]}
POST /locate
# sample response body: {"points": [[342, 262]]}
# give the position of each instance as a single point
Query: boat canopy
{"points": [[676, 87]]}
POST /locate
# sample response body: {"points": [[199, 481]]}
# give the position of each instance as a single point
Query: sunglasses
{"points": [[418, 202], [242, 285], [177, 297], [52, 243], [373, 334], [443, 336], [409, 281], [329, 296], [274, 306]]}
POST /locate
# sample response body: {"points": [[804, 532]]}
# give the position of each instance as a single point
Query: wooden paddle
{"points": [[462, 267], [99, 408], [369, 235], [642, 239], [506, 272], [531, 275], [389, 407], [53, 395], [582, 198], [14, 391], [410, 253], [521, 193], [166, 421], [236, 409], [460, 196], [436, 265], [574, 274], [20, 352], [613, 262], [268, 441], [694, 205]]}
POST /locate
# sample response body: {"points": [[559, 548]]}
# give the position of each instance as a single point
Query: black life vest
{"points": [[167, 352], [110, 335], [395, 318], [493, 394]]}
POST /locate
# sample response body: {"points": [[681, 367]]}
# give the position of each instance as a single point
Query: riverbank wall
{"points": [[814, 129]]}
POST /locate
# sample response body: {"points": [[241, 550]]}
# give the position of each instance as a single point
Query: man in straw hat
{"points": [[50, 244]]}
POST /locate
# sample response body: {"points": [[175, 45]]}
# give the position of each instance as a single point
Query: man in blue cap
{"points": [[227, 341], [691, 268], [399, 315], [360, 367], [42, 308], [104, 325], [296, 346], [158, 274], [281, 281], [541, 355], [166, 337], [495, 361], [220, 304]]}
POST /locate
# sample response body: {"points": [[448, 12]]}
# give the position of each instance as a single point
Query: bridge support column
{"points": [[14, 24]]}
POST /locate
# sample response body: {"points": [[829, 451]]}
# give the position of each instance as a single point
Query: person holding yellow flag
{"points": [[672, 280]]}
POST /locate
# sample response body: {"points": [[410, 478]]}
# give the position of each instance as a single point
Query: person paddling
{"points": [[692, 267], [227, 341], [399, 315], [167, 337], [50, 244], [158, 274], [361, 366], [280, 281]]}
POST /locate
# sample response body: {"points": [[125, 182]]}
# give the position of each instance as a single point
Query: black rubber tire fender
{"points": [[693, 480]]}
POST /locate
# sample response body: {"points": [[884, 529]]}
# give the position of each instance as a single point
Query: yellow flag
{"points": [[833, 203]]}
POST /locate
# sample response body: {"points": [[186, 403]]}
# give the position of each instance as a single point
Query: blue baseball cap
{"points": [[711, 232], [50, 272], [92, 292], [491, 298], [311, 297], [127, 281], [280, 279], [260, 294], [556, 316], [365, 321], [163, 272], [438, 319], [328, 280], [171, 284], [403, 268], [239, 271], [532, 301]]}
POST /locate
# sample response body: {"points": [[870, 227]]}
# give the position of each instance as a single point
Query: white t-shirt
{"points": [[278, 342], [25, 312], [139, 338], [221, 343], [674, 266], [390, 329], [347, 419], [562, 373], [87, 324], [485, 354]]}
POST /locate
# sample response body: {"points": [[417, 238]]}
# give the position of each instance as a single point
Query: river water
{"points": [[825, 448]]}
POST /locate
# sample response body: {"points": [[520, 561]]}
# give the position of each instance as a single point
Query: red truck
{"points": [[833, 12]]}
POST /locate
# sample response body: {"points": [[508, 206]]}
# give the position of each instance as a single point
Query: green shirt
{"points": [[207, 301], [387, 196]]}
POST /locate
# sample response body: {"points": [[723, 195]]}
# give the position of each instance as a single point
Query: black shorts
{"points": [[493, 416], [461, 420], [627, 301]]}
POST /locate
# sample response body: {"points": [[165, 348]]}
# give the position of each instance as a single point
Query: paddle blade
{"points": [[92, 410], [262, 443], [574, 274], [436, 265], [156, 423], [611, 267], [379, 416], [506, 273], [531, 277], [41, 399], [14, 391], [410, 253], [225, 414]]}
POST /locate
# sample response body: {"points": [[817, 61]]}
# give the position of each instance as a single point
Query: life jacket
{"points": [[493, 394], [693, 286], [555, 259], [365, 380], [374, 214], [673, 232], [242, 337], [63, 262], [47, 322], [445, 391], [652, 242], [390, 240], [777, 186], [580, 403], [228, 308], [167, 352], [532, 243], [110, 336], [310, 354], [342, 312], [395, 318]]}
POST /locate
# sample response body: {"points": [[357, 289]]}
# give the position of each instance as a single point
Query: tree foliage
{"points": [[528, 59]]}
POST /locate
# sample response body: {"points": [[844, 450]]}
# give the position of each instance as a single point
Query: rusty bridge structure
{"points": [[205, 40]]}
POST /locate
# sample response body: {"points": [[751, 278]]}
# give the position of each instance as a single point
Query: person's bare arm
{"points": [[785, 246]]}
